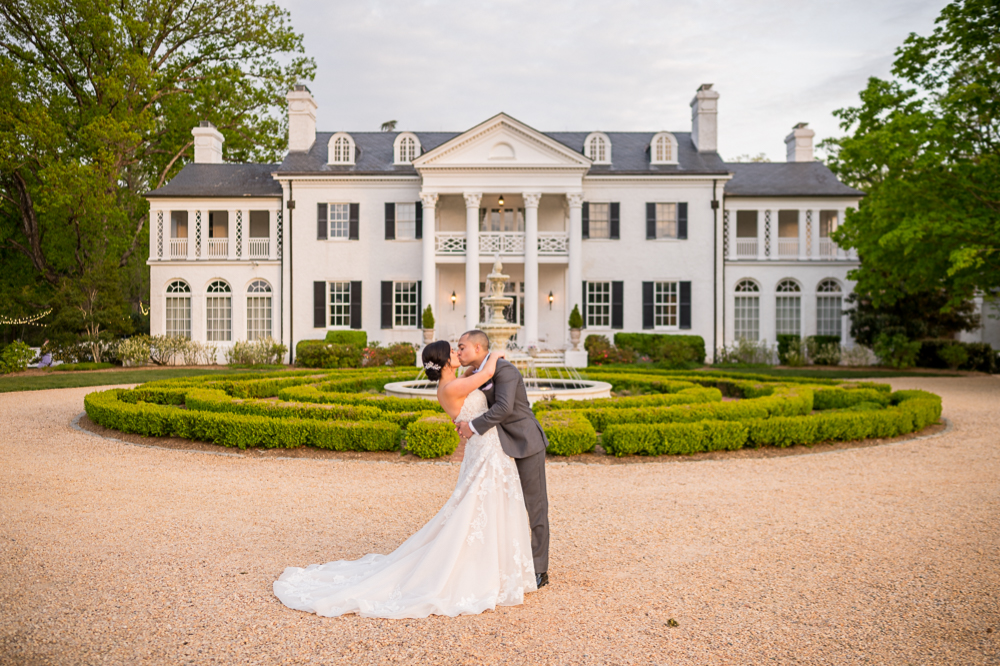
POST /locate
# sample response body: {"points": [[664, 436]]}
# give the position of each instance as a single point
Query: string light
{"points": [[143, 309], [24, 320]]}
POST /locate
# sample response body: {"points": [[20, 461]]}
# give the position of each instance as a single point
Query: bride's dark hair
{"points": [[437, 354]]}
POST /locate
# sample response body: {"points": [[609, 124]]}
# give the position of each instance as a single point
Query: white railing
{"points": [[746, 248], [553, 243], [258, 248], [178, 248], [502, 242], [788, 248], [449, 242], [827, 248], [218, 247]]}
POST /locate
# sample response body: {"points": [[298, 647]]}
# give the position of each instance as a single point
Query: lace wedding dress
{"points": [[473, 555]]}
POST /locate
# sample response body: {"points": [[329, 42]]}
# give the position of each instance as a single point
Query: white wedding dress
{"points": [[473, 555]]}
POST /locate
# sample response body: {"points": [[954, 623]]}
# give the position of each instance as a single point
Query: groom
{"points": [[521, 437]]}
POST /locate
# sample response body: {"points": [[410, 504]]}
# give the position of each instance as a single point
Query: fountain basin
{"points": [[538, 389]]}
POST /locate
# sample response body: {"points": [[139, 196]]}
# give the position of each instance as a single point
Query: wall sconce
{"points": [[551, 298], [500, 200], [453, 299]]}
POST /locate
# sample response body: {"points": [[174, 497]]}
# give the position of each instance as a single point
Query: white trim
{"points": [[398, 143], [351, 149], [672, 140], [603, 159]]}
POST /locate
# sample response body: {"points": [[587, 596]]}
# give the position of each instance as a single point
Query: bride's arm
{"points": [[465, 385]]}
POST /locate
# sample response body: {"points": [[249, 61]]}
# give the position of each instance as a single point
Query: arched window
{"points": [[178, 310], [341, 149], [747, 310], [663, 149], [219, 312], [258, 310], [788, 308], [598, 148], [407, 148], [829, 308]]}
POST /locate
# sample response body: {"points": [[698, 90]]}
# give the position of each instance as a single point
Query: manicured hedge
{"points": [[683, 397], [432, 436], [383, 402], [659, 346], [568, 432], [837, 397], [674, 438], [981, 356], [322, 354], [356, 338]]}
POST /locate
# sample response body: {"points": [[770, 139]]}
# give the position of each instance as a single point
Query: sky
{"points": [[588, 65]]}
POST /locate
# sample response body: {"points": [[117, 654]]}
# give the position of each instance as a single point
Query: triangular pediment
{"points": [[502, 142]]}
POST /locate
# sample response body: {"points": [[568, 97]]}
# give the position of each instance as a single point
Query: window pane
{"points": [[828, 315], [405, 304], [258, 317], [179, 317], [827, 223], [219, 318], [788, 224], [406, 221], [599, 304], [666, 220], [340, 215], [599, 224], [340, 304], [665, 304], [747, 319], [788, 319], [746, 224]]}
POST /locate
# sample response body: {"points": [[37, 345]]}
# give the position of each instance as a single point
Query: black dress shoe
{"points": [[541, 579]]}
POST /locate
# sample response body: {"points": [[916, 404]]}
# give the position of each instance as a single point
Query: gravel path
{"points": [[117, 554]]}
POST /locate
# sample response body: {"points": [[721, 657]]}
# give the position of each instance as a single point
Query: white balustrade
{"points": [[218, 247], [449, 242], [178, 248], [827, 248], [788, 248], [258, 248], [553, 242], [746, 248], [503, 242]]}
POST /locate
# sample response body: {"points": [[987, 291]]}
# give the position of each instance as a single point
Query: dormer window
{"points": [[341, 149], [663, 149], [407, 148], [598, 148]]}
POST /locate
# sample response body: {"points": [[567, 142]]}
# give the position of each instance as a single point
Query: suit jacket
{"points": [[521, 434]]}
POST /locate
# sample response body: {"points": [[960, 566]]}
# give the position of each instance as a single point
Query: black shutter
{"points": [[682, 220], [420, 303], [390, 221], [585, 219], [319, 304], [617, 305], [685, 303], [387, 304], [615, 226], [356, 304], [583, 305], [352, 222], [322, 226], [647, 305], [650, 221], [420, 220]]}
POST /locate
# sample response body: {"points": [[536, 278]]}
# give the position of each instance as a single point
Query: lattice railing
{"points": [[503, 242], [553, 243], [447, 242]]}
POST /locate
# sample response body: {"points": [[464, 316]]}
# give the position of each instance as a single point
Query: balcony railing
{"points": [[218, 247], [788, 248], [178, 248], [501, 242], [258, 248], [827, 248], [746, 248]]}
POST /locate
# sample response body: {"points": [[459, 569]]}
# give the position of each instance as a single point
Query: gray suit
{"points": [[523, 439]]}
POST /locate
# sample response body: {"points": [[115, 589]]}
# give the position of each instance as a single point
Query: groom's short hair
{"points": [[477, 337]]}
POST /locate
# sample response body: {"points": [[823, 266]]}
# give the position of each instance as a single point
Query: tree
{"points": [[389, 126], [920, 316], [925, 147], [97, 102], [747, 157]]}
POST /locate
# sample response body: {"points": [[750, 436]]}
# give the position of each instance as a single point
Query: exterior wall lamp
{"points": [[551, 298], [453, 299], [500, 200]]}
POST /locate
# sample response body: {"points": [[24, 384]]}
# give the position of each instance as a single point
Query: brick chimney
{"points": [[799, 144], [301, 119], [207, 143], [704, 119]]}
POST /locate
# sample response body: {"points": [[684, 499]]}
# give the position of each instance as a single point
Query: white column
{"points": [[192, 242], [575, 268], [429, 200], [245, 236], [761, 225], [531, 200], [272, 235], [472, 200]]}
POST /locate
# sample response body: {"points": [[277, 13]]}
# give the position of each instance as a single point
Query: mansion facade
{"points": [[644, 231]]}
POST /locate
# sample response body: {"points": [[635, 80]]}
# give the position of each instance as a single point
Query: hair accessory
{"points": [[430, 365]]}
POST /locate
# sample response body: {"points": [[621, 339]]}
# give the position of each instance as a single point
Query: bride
{"points": [[473, 555]]}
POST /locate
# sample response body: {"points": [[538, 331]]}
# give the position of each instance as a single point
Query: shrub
{"points": [[663, 348], [385, 403], [823, 349], [398, 354], [320, 354], [674, 438], [15, 357], [135, 350], [164, 349], [981, 356], [265, 351], [432, 436], [601, 352], [839, 398], [684, 397], [953, 355], [791, 350], [568, 432], [428, 318], [575, 318], [747, 352], [356, 338], [896, 350], [858, 356]]}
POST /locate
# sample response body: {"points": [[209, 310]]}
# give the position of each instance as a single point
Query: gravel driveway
{"points": [[118, 554]]}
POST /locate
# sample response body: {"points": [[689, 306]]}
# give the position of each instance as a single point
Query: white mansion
{"points": [[645, 231]]}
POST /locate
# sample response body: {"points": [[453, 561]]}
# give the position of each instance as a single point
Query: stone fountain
{"points": [[496, 327]]}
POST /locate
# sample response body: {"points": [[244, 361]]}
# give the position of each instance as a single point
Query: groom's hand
{"points": [[463, 429]]}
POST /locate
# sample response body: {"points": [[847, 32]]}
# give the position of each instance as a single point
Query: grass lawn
{"points": [[839, 373], [54, 380]]}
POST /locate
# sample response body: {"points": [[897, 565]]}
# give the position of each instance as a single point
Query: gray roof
{"points": [[222, 180], [630, 154], [785, 179], [373, 154]]}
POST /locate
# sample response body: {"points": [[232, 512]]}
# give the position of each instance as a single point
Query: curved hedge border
{"points": [[678, 412]]}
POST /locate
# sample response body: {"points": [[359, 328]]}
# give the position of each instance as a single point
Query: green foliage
{"points": [[266, 351], [687, 396], [575, 318], [568, 432], [837, 397], [980, 356], [671, 350], [918, 315], [428, 318], [954, 355], [601, 352], [791, 350], [75, 367], [746, 352], [385, 403], [15, 357], [925, 147], [135, 350], [400, 354], [320, 354], [823, 349], [355, 338], [432, 436], [896, 351], [673, 438]]}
